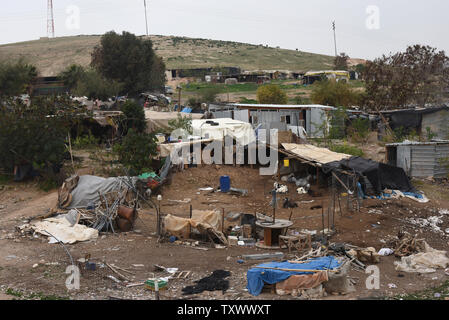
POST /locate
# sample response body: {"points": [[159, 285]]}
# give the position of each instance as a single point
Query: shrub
{"points": [[360, 129], [181, 122], [86, 141], [209, 95], [333, 93], [134, 117], [135, 151], [271, 94], [347, 149], [36, 134]]}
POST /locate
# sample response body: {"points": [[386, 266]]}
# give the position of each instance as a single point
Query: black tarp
{"points": [[410, 118], [381, 176]]}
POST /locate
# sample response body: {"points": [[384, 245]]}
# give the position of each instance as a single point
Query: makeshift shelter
{"points": [[435, 119], [157, 121], [420, 159], [218, 129], [275, 272], [380, 176]]}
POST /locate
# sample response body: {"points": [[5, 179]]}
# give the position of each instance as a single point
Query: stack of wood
{"points": [[407, 245]]}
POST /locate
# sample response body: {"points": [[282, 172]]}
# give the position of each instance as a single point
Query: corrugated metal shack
{"points": [[313, 118], [420, 159], [434, 119]]}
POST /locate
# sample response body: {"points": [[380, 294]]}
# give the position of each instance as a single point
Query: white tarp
{"points": [[241, 131], [62, 230], [423, 262]]}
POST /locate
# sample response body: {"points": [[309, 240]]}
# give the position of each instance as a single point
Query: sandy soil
{"points": [[370, 227]]}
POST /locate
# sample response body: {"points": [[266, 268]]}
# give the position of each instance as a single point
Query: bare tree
{"points": [[418, 76]]}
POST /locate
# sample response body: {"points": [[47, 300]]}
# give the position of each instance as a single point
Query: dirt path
{"points": [[30, 265]]}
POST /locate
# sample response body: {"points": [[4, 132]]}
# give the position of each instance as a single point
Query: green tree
{"points": [[36, 134], [134, 117], [136, 151], [15, 78], [209, 95], [72, 75], [333, 93], [271, 94], [341, 61], [181, 122], [94, 86], [130, 60]]}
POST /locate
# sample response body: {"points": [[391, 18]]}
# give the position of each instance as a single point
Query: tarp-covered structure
{"points": [[157, 121], [381, 176], [434, 118], [275, 272], [218, 129]]}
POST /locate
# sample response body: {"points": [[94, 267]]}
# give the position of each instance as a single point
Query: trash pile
{"points": [[88, 205]]}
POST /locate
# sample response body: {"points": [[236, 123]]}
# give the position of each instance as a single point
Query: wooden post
{"points": [[322, 216], [190, 226], [222, 222]]}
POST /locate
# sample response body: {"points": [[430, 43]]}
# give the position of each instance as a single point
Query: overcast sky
{"points": [[365, 28]]}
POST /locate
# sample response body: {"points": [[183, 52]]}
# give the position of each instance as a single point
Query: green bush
{"points": [[136, 150], [347, 149], [181, 122], [271, 94], [333, 93], [86, 141], [134, 117], [36, 134], [360, 129]]}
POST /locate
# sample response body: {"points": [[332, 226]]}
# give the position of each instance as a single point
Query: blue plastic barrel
{"points": [[225, 183]]}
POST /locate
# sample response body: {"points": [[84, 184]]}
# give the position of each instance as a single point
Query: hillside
{"points": [[53, 55]]}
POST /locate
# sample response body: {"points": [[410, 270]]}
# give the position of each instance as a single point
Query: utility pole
{"points": [[50, 20], [335, 38], [146, 18]]}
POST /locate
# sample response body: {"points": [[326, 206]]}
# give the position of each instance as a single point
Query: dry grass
{"points": [[53, 55]]}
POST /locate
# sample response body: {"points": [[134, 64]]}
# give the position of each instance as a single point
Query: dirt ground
{"points": [[30, 268]]}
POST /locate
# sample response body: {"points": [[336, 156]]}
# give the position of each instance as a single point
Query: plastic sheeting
{"points": [[423, 262], [256, 277], [63, 231], [88, 189], [242, 132], [180, 227], [380, 175]]}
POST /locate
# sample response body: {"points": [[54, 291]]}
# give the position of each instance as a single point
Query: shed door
{"points": [[404, 158]]}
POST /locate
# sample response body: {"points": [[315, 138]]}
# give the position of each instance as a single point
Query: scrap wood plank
{"points": [[295, 270]]}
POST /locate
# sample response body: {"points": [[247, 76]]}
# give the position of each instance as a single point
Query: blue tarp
{"points": [[256, 277], [187, 110]]}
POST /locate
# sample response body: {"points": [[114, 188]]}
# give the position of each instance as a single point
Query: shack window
{"points": [[287, 119], [282, 118]]}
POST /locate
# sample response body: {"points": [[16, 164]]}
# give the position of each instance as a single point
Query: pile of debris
{"points": [[88, 205]]}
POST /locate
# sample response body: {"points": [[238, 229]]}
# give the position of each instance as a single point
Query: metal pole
{"points": [[335, 38], [146, 18]]}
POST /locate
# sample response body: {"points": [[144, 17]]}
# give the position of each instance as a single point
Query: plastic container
{"points": [[225, 183]]}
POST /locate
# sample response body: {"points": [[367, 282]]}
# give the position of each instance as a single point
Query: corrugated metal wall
{"points": [[442, 160], [438, 123], [426, 160]]}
